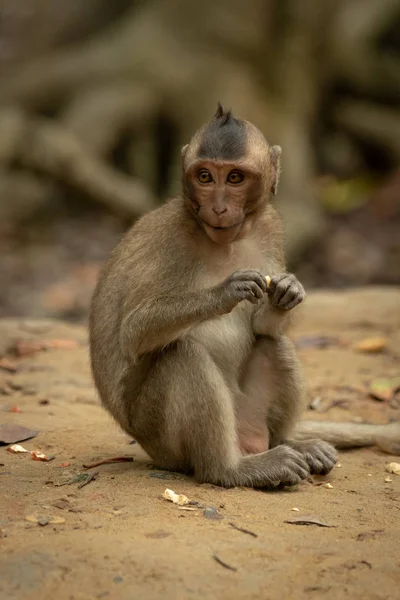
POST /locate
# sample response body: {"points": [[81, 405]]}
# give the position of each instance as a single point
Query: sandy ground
{"points": [[119, 538]]}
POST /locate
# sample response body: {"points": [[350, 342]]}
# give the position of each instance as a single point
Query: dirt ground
{"points": [[119, 538]]}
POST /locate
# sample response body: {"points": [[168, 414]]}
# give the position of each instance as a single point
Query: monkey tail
{"points": [[352, 435]]}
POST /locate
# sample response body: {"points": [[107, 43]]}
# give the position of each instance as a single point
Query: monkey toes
{"points": [[320, 456]]}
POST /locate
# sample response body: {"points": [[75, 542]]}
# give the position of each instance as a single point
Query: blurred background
{"points": [[97, 98]]}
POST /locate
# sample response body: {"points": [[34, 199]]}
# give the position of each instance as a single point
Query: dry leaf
{"points": [[388, 479], [393, 467], [384, 388], [328, 486], [295, 509], [37, 455], [175, 498], [15, 409], [307, 520], [11, 433], [17, 448], [65, 464], [372, 345]]}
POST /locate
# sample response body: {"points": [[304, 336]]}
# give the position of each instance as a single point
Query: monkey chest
{"points": [[228, 338]]}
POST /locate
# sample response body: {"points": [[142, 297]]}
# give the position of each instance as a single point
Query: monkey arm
{"points": [[274, 315], [270, 321], [159, 321]]}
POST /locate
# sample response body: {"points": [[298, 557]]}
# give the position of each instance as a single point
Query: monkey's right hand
{"points": [[242, 285]]}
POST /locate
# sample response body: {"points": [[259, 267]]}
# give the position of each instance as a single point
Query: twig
{"points": [[108, 461], [223, 564], [243, 530], [90, 477]]}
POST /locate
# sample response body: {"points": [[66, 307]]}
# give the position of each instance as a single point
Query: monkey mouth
{"points": [[219, 228]]}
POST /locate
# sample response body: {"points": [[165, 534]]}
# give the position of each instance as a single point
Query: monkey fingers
{"points": [[320, 456], [285, 291], [244, 285]]}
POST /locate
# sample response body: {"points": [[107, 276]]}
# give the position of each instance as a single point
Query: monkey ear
{"points": [[183, 150], [275, 155]]}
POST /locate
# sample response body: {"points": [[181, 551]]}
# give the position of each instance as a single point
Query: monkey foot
{"points": [[320, 456]]}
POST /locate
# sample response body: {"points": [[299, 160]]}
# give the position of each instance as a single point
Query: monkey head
{"points": [[229, 172]]}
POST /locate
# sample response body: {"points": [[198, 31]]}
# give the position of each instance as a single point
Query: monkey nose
{"points": [[219, 210]]}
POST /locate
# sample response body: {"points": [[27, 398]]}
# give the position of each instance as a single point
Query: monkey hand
{"points": [[285, 291], [242, 285]]}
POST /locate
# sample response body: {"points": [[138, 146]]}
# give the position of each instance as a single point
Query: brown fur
{"points": [[203, 379]]}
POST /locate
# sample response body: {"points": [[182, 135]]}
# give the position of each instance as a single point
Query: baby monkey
{"points": [[189, 346]]}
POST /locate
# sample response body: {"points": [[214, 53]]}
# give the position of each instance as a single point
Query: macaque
{"points": [[189, 322]]}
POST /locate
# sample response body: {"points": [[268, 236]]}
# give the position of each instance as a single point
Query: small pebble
{"points": [[328, 486]]}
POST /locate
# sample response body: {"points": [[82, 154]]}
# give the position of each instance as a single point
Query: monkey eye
{"points": [[235, 177], [204, 176]]}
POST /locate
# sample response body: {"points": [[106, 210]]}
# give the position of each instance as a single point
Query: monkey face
{"points": [[223, 195]]}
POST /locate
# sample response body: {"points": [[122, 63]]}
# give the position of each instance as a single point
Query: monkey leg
{"points": [[184, 417], [273, 384]]}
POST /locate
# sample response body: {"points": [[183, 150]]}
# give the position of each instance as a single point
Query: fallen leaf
{"points": [[373, 345], [17, 448], [384, 388], [10, 433], [295, 509], [180, 499], [65, 464], [307, 520], [89, 477], [37, 455], [388, 479], [15, 409], [8, 365], [328, 486], [393, 467], [44, 520], [79, 477]]}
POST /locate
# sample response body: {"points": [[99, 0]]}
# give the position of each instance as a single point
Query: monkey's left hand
{"points": [[285, 291]]}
